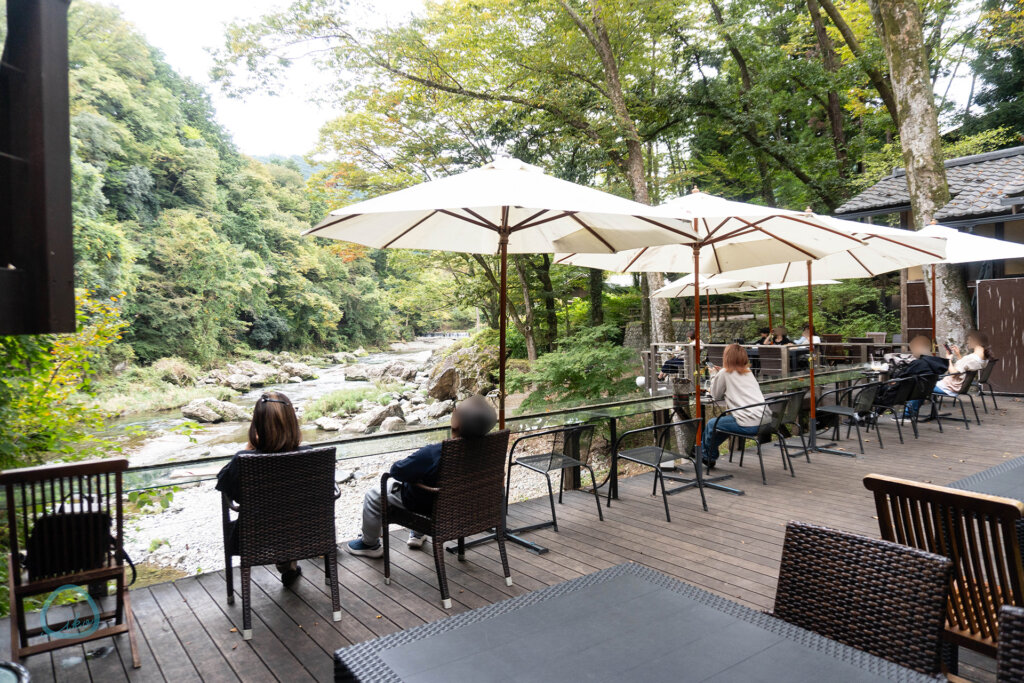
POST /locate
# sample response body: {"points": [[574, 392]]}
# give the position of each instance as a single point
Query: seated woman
{"points": [[805, 337], [762, 336], [738, 386], [677, 363], [274, 429], [959, 364], [778, 337], [472, 417]]}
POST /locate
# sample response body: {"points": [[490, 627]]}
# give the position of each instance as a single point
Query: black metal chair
{"points": [[902, 389], [791, 417], [923, 392], [983, 382], [860, 409], [958, 399], [656, 453], [771, 425], [569, 448]]}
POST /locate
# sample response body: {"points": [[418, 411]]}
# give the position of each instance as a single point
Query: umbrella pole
{"points": [[696, 343], [768, 299], [782, 293], [935, 337], [707, 300], [503, 318], [812, 424]]}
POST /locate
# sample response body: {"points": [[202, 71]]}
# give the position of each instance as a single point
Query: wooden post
{"points": [[768, 299]]}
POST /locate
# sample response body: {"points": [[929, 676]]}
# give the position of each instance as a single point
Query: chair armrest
{"points": [[337, 491], [228, 503], [429, 489]]}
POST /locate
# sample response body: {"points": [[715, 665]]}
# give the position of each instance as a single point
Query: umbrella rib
{"points": [[903, 244], [670, 229], [717, 227], [482, 222], [327, 225], [630, 264], [409, 229], [718, 263], [592, 232], [565, 258], [785, 273], [523, 223], [822, 227], [779, 239], [860, 263]]}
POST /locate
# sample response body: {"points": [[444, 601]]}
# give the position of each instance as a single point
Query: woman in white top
{"points": [[977, 359], [738, 386]]}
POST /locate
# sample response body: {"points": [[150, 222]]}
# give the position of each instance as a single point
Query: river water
{"points": [[155, 438]]}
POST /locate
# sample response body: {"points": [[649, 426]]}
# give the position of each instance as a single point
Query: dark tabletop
{"points": [[626, 623], [1005, 479]]}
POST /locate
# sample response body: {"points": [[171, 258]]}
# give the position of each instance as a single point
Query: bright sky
{"points": [[184, 30]]}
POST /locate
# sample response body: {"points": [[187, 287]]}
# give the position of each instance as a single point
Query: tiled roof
{"points": [[976, 183]]}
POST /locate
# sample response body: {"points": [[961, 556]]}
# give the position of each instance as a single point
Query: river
{"points": [[156, 438]]}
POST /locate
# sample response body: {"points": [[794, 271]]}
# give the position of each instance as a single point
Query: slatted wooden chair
{"points": [[832, 351], [1010, 660], [65, 527], [890, 597], [978, 532], [469, 499]]}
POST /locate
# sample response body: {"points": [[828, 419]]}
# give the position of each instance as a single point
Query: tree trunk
{"points": [[550, 314], [596, 297], [513, 311], [899, 24], [528, 320], [834, 109]]}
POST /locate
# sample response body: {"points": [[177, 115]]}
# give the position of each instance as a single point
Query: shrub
{"points": [[176, 371]]}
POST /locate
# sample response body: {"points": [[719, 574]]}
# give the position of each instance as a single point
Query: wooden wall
{"points": [[1001, 316]]}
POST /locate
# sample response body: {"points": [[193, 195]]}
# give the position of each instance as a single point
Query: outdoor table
{"points": [[1005, 480], [626, 623]]}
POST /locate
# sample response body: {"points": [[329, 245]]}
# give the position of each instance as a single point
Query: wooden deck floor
{"points": [[188, 632]]}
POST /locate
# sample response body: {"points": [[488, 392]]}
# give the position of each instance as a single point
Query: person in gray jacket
{"points": [[738, 387]]}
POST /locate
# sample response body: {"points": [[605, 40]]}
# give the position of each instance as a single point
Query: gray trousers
{"points": [[372, 510]]}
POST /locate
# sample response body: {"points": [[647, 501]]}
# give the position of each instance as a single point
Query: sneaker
{"points": [[415, 540], [357, 547]]}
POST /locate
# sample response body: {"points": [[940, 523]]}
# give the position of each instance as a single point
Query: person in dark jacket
{"points": [[472, 417], [923, 363], [274, 429]]}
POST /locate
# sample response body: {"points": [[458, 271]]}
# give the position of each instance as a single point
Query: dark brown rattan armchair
{"points": [[468, 499], [873, 595], [978, 532], [286, 512], [1010, 659], [71, 522]]}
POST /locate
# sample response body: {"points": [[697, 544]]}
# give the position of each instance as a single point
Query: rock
{"points": [[211, 410], [375, 417], [417, 399], [357, 373], [298, 369], [329, 424], [439, 409], [361, 352], [474, 366], [392, 424], [238, 382], [343, 476], [402, 371], [355, 427], [445, 385], [343, 357], [272, 376], [175, 371], [295, 379]]}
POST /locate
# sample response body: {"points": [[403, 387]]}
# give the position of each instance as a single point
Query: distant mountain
{"points": [[294, 161]]}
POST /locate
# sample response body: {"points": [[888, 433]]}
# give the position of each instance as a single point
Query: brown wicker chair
{"points": [[876, 596], [71, 521], [978, 532], [286, 512], [1010, 659], [469, 498]]}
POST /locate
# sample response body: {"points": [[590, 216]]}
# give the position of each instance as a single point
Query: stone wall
{"points": [[725, 331]]}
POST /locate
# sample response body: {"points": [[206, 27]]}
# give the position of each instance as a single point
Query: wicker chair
{"points": [[1010, 660], [978, 532], [983, 383], [771, 425], [468, 499], [71, 520], [285, 512], [873, 595]]}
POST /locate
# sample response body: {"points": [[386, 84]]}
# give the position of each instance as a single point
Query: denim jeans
{"points": [[915, 405], [713, 438]]}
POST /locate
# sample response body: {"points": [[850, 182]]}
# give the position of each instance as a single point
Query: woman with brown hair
{"points": [[738, 386], [274, 429]]}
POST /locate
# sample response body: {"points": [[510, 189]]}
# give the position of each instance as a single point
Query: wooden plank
{"points": [[205, 655], [171, 658]]}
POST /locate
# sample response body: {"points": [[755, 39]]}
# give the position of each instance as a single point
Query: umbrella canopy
{"points": [[963, 247], [506, 206], [717, 284], [466, 213]]}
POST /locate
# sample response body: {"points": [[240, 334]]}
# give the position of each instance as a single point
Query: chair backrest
{"points": [[66, 516], [864, 398], [904, 390], [978, 532], [286, 505], [873, 595], [794, 407], [923, 386], [968, 382], [1010, 659], [986, 372], [876, 337], [714, 352], [775, 414], [470, 480], [859, 340], [770, 358], [572, 441], [830, 338]]}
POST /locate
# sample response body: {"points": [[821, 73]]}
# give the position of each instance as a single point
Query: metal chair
{"points": [[1010, 655], [876, 596], [792, 415], [903, 388], [923, 392], [771, 423], [65, 528], [468, 499], [861, 408], [656, 453], [958, 399], [276, 525], [570, 447], [983, 382]]}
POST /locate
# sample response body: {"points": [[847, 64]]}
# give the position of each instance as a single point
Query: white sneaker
{"points": [[415, 542]]}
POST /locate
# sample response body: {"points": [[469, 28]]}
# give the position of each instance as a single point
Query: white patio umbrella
{"points": [[506, 206], [963, 247]]}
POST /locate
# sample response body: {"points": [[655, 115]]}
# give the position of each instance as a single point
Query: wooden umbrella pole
{"points": [[810, 344], [696, 342], [935, 336], [768, 299], [503, 317], [782, 294], [707, 300]]}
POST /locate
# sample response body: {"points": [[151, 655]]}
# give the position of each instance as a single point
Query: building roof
{"points": [[979, 186]]}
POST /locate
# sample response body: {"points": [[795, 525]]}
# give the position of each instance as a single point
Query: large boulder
{"points": [[212, 410], [329, 424], [298, 370], [475, 366], [355, 427], [375, 417], [392, 424], [438, 410], [357, 373], [402, 371], [444, 385], [343, 357], [238, 382], [175, 371]]}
